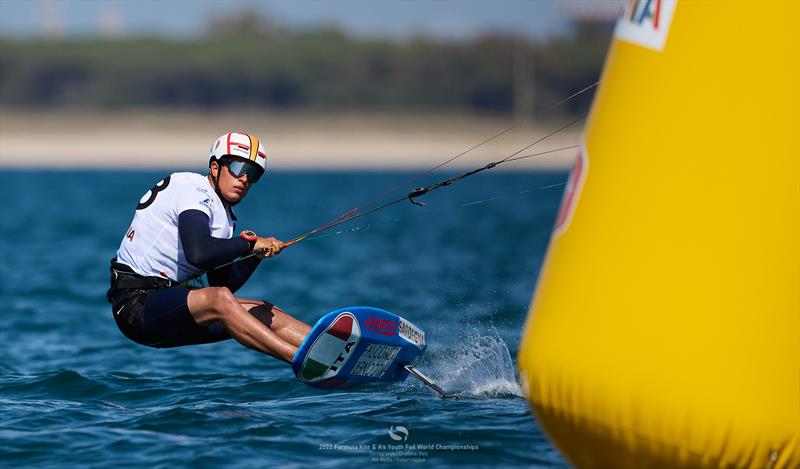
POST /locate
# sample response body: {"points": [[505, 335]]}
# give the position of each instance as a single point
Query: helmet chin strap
{"points": [[216, 186]]}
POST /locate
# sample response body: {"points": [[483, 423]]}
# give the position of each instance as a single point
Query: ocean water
{"points": [[74, 392]]}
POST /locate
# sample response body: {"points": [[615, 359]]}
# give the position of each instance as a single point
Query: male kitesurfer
{"points": [[185, 226]]}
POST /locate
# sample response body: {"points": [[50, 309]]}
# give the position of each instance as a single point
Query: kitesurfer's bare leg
{"points": [[288, 328], [218, 304]]}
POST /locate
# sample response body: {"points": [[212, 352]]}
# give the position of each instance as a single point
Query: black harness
{"points": [[124, 278]]}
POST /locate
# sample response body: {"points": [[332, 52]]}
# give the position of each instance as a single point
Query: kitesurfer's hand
{"points": [[267, 247]]}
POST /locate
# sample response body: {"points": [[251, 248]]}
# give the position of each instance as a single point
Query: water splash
{"points": [[478, 366]]}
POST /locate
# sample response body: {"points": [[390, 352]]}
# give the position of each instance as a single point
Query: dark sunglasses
{"points": [[239, 168]]}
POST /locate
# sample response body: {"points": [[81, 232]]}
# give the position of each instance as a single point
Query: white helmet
{"points": [[239, 144]]}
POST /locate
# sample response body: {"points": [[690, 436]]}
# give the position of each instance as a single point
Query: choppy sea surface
{"points": [[74, 392]]}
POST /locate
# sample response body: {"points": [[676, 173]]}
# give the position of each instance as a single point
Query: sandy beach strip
{"points": [[308, 141]]}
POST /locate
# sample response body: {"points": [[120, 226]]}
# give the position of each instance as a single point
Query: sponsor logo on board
{"points": [[381, 326], [411, 333], [646, 23], [375, 360]]}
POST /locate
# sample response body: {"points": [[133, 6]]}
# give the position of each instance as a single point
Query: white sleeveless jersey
{"points": [[151, 246]]}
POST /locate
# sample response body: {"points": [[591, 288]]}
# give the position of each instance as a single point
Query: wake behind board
{"points": [[356, 346]]}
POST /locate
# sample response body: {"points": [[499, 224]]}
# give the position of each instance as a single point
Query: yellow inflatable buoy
{"points": [[665, 328]]}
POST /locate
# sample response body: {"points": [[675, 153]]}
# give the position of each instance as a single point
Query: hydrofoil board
{"points": [[356, 346]]}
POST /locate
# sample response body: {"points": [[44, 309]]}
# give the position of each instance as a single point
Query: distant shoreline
{"points": [[142, 139]]}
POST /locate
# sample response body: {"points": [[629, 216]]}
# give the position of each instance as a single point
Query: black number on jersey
{"points": [[153, 192]]}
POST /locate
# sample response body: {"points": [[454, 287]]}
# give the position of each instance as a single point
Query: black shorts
{"points": [[161, 318]]}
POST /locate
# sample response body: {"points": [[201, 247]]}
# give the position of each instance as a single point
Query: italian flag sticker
{"points": [[331, 350]]}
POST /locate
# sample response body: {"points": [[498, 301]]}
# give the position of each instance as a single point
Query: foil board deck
{"points": [[356, 346]]}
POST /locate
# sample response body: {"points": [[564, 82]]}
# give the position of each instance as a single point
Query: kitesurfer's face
{"points": [[233, 188]]}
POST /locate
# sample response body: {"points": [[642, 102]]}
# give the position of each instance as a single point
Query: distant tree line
{"points": [[259, 65]]}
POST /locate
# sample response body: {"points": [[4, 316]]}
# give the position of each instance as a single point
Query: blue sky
{"points": [[390, 18]]}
